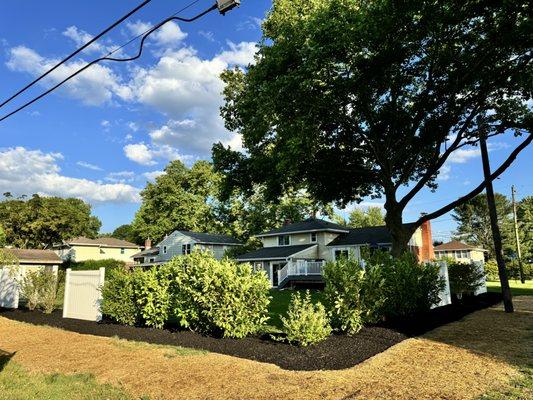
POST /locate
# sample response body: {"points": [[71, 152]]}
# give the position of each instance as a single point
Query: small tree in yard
{"points": [[464, 278]]}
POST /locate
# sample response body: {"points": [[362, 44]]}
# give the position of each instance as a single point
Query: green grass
{"points": [[280, 304], [17, 384], [517, 288]]}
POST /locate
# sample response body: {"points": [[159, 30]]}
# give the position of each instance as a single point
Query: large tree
{"points": [[126, 232], [181, 198], [525, 227], [352, 98], [42, 221]]}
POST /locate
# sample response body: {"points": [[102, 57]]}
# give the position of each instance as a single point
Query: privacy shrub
{"points": [[152, 297], [39, 289], [342, 293], [465, 278], [118, 299], [407, 286], [93, 265], [306, 323], [218, 297]]}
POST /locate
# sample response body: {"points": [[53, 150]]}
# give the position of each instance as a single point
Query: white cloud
{"points": [[95, 86], [144, 154], [128, 137], [151, 176], [80, 38], [133, 126], [24, 171], [210, 36], [120, 177], [105, 123], [461, 156], [89, 166], [444, 173], [169, 35]]}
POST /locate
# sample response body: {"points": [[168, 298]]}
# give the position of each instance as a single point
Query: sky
{"points": [[107, 133]]}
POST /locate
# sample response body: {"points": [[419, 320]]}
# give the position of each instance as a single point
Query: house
{"points": [[33, 259], [296, 253], [459, 251], [184, 242], [83, 249]]}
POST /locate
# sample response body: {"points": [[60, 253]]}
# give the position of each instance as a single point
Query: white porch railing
{"points": [[300, 268]]}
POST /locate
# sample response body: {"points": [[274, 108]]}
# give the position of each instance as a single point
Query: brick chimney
{"points": [[427, 252], [148, 244]]}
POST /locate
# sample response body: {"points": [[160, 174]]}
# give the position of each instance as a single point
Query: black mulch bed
{"points": [[337, 352]]}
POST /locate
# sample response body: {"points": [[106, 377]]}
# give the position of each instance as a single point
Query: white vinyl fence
{"points": [[9, 290], [82, 294], [483, 287], [445, 294]]}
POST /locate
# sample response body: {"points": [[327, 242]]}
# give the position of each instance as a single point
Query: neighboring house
{"points": [[184, 242], [83, 249], [35, 259], [459, 251], [296, 253]]}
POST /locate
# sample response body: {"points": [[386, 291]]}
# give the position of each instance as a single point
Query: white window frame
{"points": [[186, 249], [282, 236]]}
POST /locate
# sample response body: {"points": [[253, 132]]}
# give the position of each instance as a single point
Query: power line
{"points": [[94, 39], [144, 35]]}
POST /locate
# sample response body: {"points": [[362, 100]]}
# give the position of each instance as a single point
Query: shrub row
{"points": [[40, 290], [220, 298], [92, 265]]}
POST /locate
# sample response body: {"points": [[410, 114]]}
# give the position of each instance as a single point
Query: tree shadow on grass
{"points": [[5, 357]]}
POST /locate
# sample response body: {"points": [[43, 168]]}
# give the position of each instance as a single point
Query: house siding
{"points": [[80, 253]]}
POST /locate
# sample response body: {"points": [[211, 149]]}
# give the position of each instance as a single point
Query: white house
{"points": [[459, 251], [184, 242], [297, 252]]}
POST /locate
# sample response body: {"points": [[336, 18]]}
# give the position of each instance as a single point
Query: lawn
{"points": [[280, 304], [517, 288]]}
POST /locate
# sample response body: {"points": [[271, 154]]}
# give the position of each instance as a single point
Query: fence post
{"points": [[65, 297], [99, 302], [483, 281]]}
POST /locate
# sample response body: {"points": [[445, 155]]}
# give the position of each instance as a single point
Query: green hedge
{"points": [[92, 265]]}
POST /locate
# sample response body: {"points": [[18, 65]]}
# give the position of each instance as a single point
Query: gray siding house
{"points": [[296, 253], [184, 242]]}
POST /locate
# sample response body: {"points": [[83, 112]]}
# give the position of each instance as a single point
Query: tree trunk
{"points": [[400, 233], [502, 272]]}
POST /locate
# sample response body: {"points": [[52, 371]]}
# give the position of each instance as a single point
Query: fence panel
{"points": [[445, 294], [9, 290], [483, 287], [82, 294]]}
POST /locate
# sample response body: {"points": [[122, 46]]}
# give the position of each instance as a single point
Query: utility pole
{"points": [[517, 237], [496, 235]]}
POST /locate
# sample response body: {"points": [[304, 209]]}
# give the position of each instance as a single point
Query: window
{"points": [[313, 237], [122, 251], [164, 249], [465, 253], [341, 254], [284, 240], [186, 249], [152, 260]]}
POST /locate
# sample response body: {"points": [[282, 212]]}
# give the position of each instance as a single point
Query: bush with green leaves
{"points": [[218, 297], [408, 287], [39, 289], [93, 265], [118, 299], [513, 270], [151, 294], [306, 323], [465, 278]]}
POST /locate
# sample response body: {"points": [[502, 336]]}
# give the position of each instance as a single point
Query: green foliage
{"points": [[473, 221], [39, 289], [372, 216], [465, 278], [118, 297], [352, 98], [353, 296], [151, 294], [8, 259], [179, 199], [512, 267], [126, 232], [218, 297], [42, 221], [93, 265], [408, 287], [306, 323], [3, 237]]}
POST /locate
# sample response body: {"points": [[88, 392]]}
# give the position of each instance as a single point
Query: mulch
{"points": [[336, 352]]}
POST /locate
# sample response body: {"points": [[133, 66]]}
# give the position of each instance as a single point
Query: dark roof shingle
{"points": [[35, 256], [368, 235], [211, 238], [309, 225], [278, 252], [456, 245]]}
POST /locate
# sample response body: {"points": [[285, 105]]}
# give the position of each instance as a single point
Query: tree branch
{"points": [[479, 188]]}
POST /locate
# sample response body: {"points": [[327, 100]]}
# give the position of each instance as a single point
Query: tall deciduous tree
{"points": [[181, 198], [354, 98], [43, 221], [126, 232], [524, 214], [372, 216]]}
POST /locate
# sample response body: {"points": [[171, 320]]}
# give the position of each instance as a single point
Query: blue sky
{"points": [[105, 134]]}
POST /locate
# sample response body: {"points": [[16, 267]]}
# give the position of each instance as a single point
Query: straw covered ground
{"points": [[462, 360]]}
